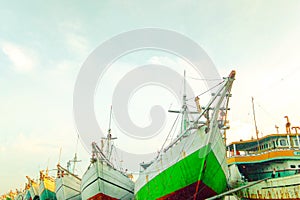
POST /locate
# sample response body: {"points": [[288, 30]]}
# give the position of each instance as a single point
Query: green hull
{"points": [[47, 195], [191, 174]]}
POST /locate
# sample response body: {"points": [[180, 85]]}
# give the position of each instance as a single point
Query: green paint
{"points": [[185, 173], [48, 195], [27, 196]]}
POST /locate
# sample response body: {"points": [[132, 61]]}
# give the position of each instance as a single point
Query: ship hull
{"points": [[47, 190], [27, 195], [101, 181], [47, 195], [34, 191], [275, 188], [195, 167], [19, 197], [67, 187]]}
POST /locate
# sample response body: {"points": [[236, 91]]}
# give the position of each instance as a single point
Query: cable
{"points": [[203, 79], [168, 134], [208, 90]]}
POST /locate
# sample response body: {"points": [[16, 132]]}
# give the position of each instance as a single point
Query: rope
{"points": [[168, 134], [203, 79], [208, 90]]}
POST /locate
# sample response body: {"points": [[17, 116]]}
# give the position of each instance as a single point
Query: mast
{"points": [[226, 115], [75, 157], [108, 140], [74, 161], [221, 93], [109, 125], [184, 106], [256, 130]]}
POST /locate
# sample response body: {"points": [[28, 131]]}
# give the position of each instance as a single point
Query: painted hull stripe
{"points": [[101, 196], [63, 185], [77, 195], [102, 179]]}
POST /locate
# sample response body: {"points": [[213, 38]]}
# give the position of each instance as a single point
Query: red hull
{"points": [[190, 191], [101, 196]]}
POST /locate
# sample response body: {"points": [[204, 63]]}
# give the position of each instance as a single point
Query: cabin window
{"points": [[282, 142], [298, 166], [296, 143], [293, 166]]}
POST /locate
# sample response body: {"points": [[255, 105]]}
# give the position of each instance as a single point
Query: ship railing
{"points": [[248, 153]]}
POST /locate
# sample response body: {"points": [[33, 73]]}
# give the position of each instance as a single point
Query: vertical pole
{"points": [[234, 150], [108, 146], [256, 130], [184, 106]]}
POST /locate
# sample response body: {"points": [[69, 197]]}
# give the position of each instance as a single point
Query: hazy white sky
{"points": [[43, 45]]}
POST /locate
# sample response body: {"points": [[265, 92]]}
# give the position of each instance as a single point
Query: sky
{"points": [[43, 45]]}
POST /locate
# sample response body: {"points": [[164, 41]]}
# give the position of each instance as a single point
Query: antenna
{"points": [[256, 130]]}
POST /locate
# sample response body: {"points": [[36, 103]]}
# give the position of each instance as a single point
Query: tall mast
{"points": [[184, 106], [226, 115], [75, 157], [74, 161], [109, 137], [256, 130], [105, 151], [109, 120]]}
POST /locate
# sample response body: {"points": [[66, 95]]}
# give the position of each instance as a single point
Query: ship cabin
{"points": [[275, 155]]}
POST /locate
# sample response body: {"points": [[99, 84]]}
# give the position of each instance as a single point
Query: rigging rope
{"points": [[203, 79], [208, 90], [168, 134]]}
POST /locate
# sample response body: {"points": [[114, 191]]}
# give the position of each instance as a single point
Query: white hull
{"points": [[34, 192], [101, 180], [68, 188], [275, 188], [26, 196], [19, 197]]}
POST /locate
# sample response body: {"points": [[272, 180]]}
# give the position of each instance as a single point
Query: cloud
{"points": [[27, 153], [23, 59], [77, 43], [73, 34]]}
